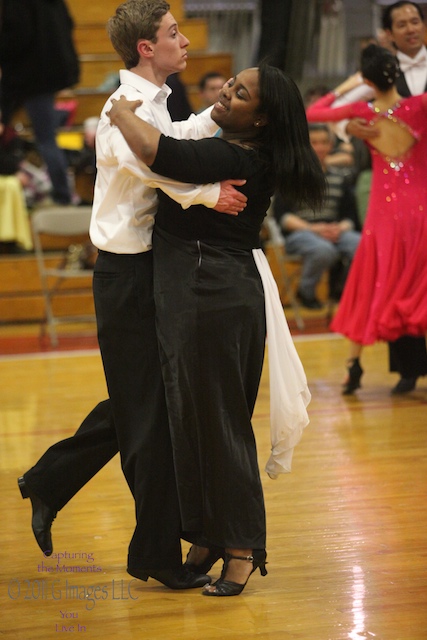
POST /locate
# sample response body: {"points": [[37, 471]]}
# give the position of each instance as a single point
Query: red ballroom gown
{"points": [[385, 296]]}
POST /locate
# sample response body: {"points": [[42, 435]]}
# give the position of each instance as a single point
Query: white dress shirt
{"points": [[414, 70], [125, 200]]}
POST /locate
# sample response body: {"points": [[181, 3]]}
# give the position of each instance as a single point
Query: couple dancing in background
{"points": [[212, 290], [385, 296]]}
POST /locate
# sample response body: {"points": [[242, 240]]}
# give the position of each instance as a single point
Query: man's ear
{"points": [[145, 48]]}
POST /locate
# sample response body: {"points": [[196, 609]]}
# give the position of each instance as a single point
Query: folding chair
{"points": [[63, 226]]}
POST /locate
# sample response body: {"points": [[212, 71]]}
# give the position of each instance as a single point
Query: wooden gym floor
{"points": [[347, 541]]}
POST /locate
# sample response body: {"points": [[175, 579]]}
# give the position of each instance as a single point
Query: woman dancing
{"points": [[211, 312]]}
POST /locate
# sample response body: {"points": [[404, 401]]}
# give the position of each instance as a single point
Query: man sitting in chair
{"points": [[327, 240]]}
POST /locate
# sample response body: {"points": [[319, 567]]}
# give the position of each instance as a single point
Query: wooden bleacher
{"points": [[20, 293]]}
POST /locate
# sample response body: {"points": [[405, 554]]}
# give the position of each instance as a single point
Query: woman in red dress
{"points": [[385, 296]]}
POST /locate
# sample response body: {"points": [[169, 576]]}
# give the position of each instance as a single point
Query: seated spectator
{"points": [[325, 239], [16, 159], [342, 152], [209, 87], [314, 93], [11, 151]]}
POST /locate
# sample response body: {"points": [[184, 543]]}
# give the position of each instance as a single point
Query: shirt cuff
{"points": [[208, 196]]}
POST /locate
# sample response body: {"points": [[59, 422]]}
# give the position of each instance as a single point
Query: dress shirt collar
{"points": [[147, 88], [406, 62]]}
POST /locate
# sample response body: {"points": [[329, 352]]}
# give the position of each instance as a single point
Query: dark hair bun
{"points": [[379, 66]]}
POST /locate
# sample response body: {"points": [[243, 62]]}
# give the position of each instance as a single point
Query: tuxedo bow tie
{"points": [[406, 65]]}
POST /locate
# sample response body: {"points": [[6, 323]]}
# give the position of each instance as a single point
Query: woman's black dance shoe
{"points": [[355, 372], [224, 587], [214, 554]]}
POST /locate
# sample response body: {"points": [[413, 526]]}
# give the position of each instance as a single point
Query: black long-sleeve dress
{"points": [[211, 328]]}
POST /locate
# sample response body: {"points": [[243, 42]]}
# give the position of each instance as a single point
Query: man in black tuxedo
{"points": [[403, 23]]}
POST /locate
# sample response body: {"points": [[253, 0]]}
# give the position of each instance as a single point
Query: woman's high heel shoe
{"points": [[224, 587], [214, 554], [355, 372]]}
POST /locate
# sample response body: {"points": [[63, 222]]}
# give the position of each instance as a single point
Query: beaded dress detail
{"points": [[385, 296]]}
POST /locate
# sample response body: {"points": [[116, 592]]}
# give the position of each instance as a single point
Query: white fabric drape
{"points": [[289, 393]]}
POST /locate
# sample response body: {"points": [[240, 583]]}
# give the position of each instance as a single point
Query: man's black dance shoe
{"points": [[43, 516], [181, 578], [405, 385]]}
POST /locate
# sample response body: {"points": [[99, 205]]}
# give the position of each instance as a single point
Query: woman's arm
{"points": [[208, 160], [349, 89], [197, 126], [322, 111], [142, 138]]}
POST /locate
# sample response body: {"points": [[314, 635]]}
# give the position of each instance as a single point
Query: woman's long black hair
{"points": [[297, 172]]}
